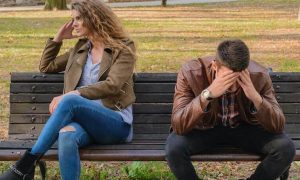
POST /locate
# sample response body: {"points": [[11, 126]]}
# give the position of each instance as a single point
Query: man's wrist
{"points": [[257, 101], [207, 95], [204, 103]]}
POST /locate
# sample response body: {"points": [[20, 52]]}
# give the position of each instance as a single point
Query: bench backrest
{"points": [[30, 94]]}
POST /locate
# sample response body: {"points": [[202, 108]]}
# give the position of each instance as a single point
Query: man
{"points": [[227, 99]]}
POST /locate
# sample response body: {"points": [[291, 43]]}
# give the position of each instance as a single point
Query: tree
{"points": [[55, 4], [164, 3]]}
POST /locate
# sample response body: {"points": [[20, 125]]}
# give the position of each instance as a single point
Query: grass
{"points": [[166, 38]]}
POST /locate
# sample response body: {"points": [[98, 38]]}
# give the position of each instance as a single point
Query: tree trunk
{"points": [[164, 3], [55, 4]]}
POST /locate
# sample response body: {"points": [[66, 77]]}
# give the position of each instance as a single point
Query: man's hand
{"points": [[222, 83], [55, 101], [249, 89]]}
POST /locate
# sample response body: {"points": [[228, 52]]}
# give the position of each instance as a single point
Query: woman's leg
{"points": [[70, 138], [104, 125], [61, 117]]}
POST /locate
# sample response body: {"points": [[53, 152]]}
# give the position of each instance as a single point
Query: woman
{"points": [[98, 89]]}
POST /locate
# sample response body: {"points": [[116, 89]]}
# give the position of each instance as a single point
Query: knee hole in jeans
{"points": [[67, 129]]}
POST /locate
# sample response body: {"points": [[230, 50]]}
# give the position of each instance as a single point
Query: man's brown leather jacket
{"points": [[196, 75]]}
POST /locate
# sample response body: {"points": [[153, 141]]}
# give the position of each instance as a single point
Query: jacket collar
{"points": [[207, 62], [107, 58]]}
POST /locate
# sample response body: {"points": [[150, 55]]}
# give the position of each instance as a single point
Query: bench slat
{"points": [[43, 108], [41, 77], [140, 97], [134, 145], [146, 145], [42, 118], [138, 118], [57, 88], [143, 77], [137, 137], [285, 76], [47, 98], [139, 108], [138, 155], [137, 128]]}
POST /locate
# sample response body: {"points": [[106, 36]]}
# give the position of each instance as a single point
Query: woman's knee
{"points": [[66, 138], [70, 99]]}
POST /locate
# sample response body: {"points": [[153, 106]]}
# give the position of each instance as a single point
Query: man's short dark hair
{"points": [[233, 54]]}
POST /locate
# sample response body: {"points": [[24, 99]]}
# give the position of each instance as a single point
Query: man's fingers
{"points": [[245, 77], [230, 79], [226, 73], [229, 76], [241, 83], [228, 85], [247, 72]]}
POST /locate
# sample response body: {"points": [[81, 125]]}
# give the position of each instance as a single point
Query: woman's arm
{"points": [[50, 62]]}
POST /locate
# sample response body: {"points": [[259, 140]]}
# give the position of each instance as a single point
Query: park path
{"points": [[120, 4]]}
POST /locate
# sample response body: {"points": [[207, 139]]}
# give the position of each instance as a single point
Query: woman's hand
{"points": [[55, 101], [65, 32]]}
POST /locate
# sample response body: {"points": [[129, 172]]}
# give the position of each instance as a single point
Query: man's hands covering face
{"points": [[227, 78], [222, 82], [249, 89]]}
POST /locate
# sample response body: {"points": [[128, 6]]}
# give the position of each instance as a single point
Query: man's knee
{"points": [[175, 145], [283, 149]]}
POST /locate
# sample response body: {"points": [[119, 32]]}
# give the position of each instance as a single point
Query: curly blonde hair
{"points": [[102, 23]]}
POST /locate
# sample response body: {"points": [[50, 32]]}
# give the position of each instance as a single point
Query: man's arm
{"points": [[187, 110], [268, 111]]}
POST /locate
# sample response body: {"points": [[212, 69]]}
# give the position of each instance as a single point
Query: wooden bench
{"points": [[30, 94]]}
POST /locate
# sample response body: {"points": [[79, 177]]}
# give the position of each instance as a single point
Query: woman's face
{"points": [[78, 26]]}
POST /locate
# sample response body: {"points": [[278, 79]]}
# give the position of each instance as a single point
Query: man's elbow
{"points": [[177, 126], [278, 127]]}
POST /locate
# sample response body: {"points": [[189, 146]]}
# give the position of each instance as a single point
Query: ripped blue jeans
{"points": [[78, 122]]}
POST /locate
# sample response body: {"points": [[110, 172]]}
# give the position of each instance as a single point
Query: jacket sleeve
{"points": [[119, 73], [187, 111], [270, 114], [50, 62]]}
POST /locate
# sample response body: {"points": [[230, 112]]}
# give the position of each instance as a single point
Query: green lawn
{"points": [[165, 38]]}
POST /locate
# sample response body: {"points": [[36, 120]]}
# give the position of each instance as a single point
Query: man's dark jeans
{"points": [[278, 149]]}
